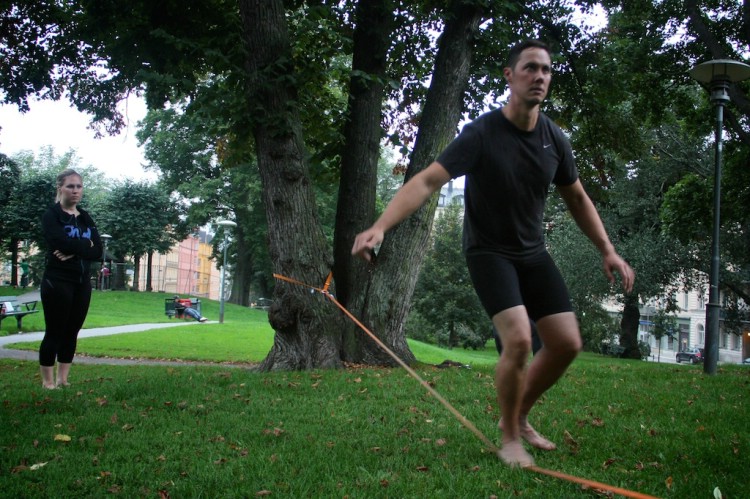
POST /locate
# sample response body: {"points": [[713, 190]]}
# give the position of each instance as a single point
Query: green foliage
{"points": [[665, 324], [449, 312], [141, 218], [10, 173]]}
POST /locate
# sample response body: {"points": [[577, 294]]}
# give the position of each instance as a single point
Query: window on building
{"points": [[725, 340], [701, 335]]}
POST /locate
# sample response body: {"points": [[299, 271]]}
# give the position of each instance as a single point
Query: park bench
{"points": [[170, 311], [11, 307]]}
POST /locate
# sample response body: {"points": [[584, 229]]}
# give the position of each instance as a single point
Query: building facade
{"points": [[186, 269], [734, 346]]}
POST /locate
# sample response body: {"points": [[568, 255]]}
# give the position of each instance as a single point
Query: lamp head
{"points": [[719, 73]]}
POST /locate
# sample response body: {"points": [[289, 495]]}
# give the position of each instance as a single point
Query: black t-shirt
{"points": [[508, 174]]}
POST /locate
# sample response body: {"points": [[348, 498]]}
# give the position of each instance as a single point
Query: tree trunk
{"points": [[243, 267], [149, 262], [385, 298], [136, 272], [13, 249], [631, 316], [307, 326], [362, 131], [359, 163]]}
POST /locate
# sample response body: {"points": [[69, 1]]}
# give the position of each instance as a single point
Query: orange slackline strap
{"points": [[589, 483], [468, 424]]}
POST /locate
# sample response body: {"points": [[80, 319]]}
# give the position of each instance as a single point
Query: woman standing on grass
{"points": [[72, 243]]}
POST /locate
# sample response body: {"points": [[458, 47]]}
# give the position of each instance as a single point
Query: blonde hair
{"points": [[61, 180]]}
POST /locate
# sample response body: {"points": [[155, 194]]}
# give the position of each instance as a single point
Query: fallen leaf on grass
{"points": [[717, 493], [570, 441], [597, 491], [384, 483], [423, 468], [609, 462], [668, 483], [36, 466], [127, 427], [276, 432], [598, 422], [62, 438], [262, 493]]}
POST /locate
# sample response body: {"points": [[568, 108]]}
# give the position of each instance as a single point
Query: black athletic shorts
{"points": [[535, 282]]}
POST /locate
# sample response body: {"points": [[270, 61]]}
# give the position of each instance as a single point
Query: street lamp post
{"points": [[718, 74], [105, 238], [226, 224]]}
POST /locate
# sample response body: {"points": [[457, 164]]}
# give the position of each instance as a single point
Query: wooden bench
{"points": [[170, 311], [11, 307]]}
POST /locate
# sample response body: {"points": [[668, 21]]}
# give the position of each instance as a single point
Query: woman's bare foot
{"points": [[534, 439], [514, 455], [63, 383], [49, 387]]}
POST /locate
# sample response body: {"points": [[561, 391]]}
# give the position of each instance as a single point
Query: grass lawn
{"points": [[220, 431]]}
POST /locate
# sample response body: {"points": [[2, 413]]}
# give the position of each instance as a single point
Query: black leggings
{"points": [[65, 307]]}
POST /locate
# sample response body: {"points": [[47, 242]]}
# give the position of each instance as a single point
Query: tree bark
{"points": [[385, 299], [307, 327]]}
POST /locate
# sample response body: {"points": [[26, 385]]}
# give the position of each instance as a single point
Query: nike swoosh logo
{"points": [[547, 145]]}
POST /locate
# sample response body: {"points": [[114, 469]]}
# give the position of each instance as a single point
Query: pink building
{"points": [[187, 269]]}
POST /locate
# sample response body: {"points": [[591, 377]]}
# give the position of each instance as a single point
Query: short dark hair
{"points": [[515, 50]]}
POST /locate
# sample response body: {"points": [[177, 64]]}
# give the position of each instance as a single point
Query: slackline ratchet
{"points": [[468, 424]]}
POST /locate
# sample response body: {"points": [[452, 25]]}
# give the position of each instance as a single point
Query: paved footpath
{"points": [[88, 333]]}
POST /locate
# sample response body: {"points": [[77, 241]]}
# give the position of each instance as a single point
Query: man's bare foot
{"points": [[534, 439], [514, 455]]}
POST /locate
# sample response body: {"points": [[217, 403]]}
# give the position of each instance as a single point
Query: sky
{"points": [[57, 124]]}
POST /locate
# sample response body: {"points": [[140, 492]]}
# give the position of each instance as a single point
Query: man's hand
{"points": [[613, 262], [62, 256], [366, 242]]}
